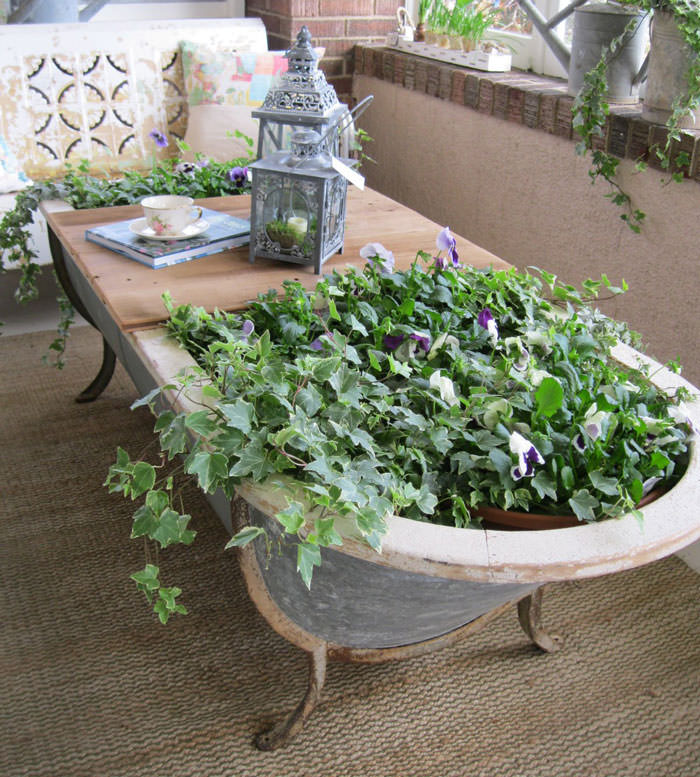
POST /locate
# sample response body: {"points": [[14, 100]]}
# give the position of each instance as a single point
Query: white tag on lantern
{"points": [[347, 172]]}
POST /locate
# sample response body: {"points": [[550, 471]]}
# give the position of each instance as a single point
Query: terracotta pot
{"points": [[495, 518]]}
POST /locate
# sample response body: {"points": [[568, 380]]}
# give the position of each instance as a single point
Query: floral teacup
{"points": [[169, 214]]}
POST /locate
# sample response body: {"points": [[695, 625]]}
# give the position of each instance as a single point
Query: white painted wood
{"points": [[132, 12]]}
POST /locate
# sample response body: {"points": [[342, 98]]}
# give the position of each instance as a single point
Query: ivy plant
{"points": [[590, 109], [427, 393]]}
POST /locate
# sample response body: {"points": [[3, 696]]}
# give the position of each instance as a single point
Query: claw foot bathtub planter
{"points": [[431, 585]]}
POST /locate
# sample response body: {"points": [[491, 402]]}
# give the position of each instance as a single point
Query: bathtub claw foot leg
{"points": [[286, 729], [530, 617]]}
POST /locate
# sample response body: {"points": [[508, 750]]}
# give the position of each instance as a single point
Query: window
{"points": [[516, 31]]}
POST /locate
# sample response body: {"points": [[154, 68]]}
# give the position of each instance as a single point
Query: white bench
{"points": [[95, 91]]}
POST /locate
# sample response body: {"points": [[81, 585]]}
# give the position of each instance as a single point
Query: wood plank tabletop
{"points": [[133, 292]]}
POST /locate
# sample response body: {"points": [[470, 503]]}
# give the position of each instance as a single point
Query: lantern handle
{"points": [[349, 117]]}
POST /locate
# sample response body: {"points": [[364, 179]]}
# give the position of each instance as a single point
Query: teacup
{"points": [[169, 214]]}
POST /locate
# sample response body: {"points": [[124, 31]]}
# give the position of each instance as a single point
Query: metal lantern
{"points": [[298, 204], [300, 99]]}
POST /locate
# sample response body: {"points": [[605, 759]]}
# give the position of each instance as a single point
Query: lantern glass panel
{"points": [[288, 219]]}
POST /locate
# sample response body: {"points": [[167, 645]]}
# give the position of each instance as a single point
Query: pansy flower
{"points": [[527, 455], [487, 322], [446, 242], [378, 257], [523, 359], [186, 168], [422, 339], [159, 138], [593, 422], [238, 175], [392, 342], [534, 337], [247, 329], [445, 386], [441, 340]]}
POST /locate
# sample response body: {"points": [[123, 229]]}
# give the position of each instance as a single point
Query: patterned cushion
{"points": [[228, 77]]}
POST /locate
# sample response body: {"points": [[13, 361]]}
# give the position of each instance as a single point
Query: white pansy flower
{"points": [[442, 340], [537, 376], [527, 455], [445, 386], [376, 254]]}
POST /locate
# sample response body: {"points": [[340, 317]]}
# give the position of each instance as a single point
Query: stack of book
{"points": [[223, 232]]}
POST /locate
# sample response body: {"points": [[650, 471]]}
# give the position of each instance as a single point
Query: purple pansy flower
{"points": [[527, 455], [160, 140], [203, 162], [238, 175], [487, 322], [423, 340], [247, 328], [441, 262], [579, 443], [446, 242], [392, 342]]}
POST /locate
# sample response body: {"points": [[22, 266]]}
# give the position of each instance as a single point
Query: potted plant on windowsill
{"points": [[674, 100], [455, 32]]}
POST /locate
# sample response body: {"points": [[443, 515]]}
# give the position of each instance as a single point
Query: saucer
{"points": [[138, 227]]}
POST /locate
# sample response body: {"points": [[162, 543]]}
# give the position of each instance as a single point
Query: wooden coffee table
{"points": [[120, 296]]}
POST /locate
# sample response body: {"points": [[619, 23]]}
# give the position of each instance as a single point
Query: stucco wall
{"points": [[526, 196]]}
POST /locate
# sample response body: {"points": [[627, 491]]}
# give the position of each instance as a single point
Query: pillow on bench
{"points": [[222, 89]]}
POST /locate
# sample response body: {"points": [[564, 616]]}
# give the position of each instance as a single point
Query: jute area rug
{"points": [[92, 685]]}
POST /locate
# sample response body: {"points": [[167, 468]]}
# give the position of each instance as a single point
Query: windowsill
{"points": [[538, 102]]}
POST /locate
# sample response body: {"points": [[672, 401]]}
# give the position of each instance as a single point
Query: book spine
{"points": [[120, 249], [198, 253]]}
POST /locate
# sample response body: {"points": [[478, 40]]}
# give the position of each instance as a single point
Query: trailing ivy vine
{"points": [[591, 111]]}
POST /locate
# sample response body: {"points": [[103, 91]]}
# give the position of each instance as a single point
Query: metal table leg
{"points": [[101, 380]]}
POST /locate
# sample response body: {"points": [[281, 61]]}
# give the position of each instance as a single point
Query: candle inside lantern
{"points": [[299, 223]]}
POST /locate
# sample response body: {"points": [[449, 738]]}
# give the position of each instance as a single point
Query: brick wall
{"points": [[335, 24]]}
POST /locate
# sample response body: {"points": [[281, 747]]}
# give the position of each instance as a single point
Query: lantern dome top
{"points": [[302, 57], [302, 90]]}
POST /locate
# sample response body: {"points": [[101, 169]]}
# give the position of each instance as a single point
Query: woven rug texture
{"points": [[91, 685]]}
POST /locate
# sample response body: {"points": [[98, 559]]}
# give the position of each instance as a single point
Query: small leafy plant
{"points": [[427, 393]]}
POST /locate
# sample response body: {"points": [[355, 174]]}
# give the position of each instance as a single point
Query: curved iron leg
{"points": [[101, 381], [99, 384], [283, 731], [529, 615]]}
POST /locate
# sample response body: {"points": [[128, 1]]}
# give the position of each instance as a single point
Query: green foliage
{"points": [[383, 393], [81, 189], [163, 599], [590, 110], [467, 18]]}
